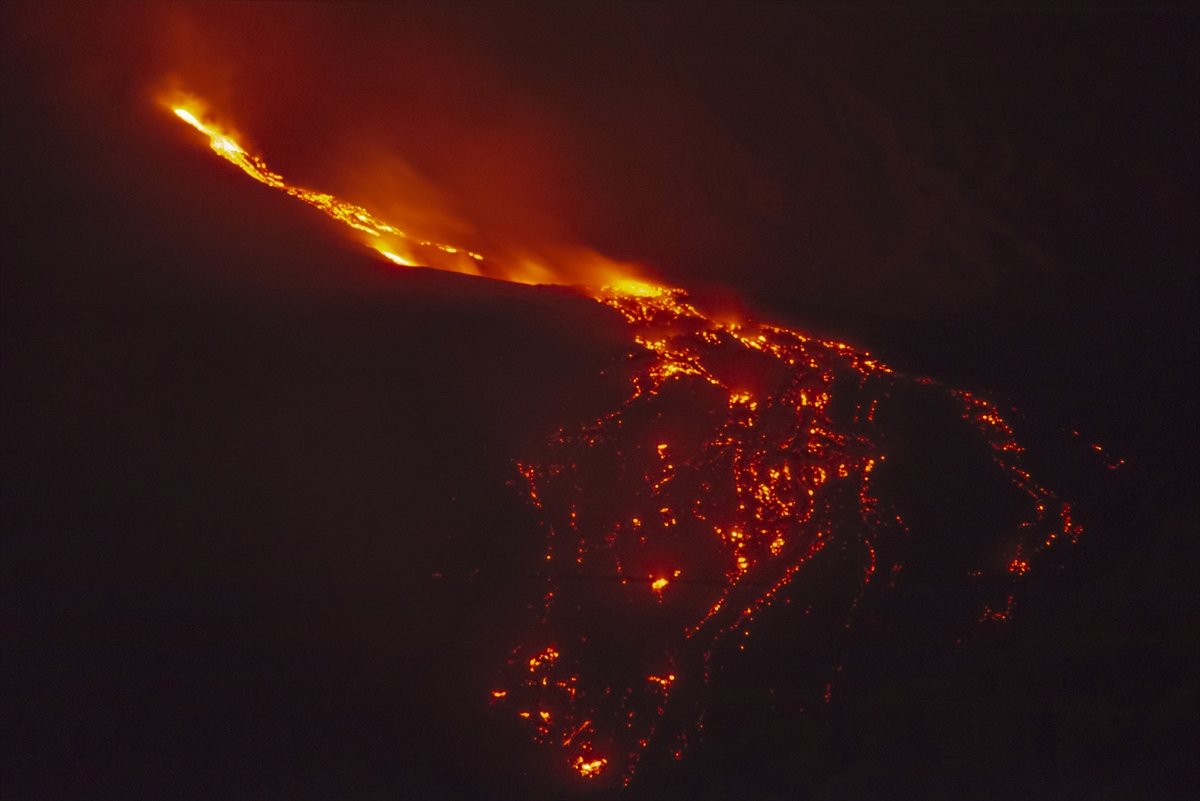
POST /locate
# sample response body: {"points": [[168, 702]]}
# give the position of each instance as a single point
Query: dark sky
{"points": [[218, 410]]}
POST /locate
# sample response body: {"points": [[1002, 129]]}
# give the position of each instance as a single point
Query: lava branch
{"points": [[356, 217], [741, 509]]}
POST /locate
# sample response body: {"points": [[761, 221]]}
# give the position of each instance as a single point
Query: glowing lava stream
{"points": [[737, 497], [354, 216]]}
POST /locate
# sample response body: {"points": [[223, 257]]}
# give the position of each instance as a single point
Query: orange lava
{"points": [[744, 489]]}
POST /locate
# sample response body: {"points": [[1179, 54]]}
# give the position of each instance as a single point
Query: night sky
{"points": [[260, 537]]}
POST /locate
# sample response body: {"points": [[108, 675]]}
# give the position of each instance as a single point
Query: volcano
{"points": [[286, 516], [750, 425]]}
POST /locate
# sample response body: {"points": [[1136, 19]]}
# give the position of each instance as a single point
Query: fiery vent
{"points": [[741, 452]]}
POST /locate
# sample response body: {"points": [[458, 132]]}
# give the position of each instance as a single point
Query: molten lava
{"points": [[386, 239], [741, 451]]}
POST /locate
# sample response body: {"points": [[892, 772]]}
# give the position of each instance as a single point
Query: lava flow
{"points": [[387, 238], [741, 453]]}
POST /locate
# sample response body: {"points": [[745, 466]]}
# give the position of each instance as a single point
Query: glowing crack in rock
{"points": [[741, 451]]}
